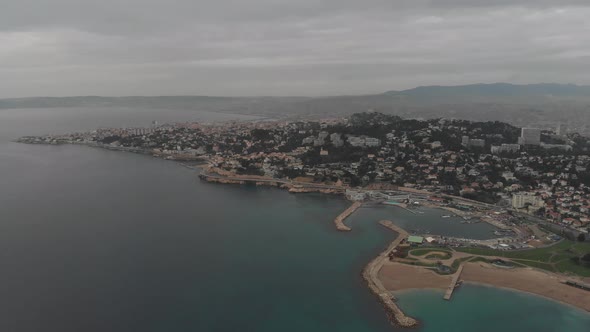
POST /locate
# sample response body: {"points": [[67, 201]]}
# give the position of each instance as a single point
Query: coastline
{"points": [[398, 278], [483, 284], [373, 279], [528, 280]]}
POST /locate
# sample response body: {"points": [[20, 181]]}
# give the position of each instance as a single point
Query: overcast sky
{"points": [[294, 47]]}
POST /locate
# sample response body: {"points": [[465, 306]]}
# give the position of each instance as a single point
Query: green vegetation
{"points": [[570, 266], [480, 259], [438, 256], [564, 257], [426, 251]]}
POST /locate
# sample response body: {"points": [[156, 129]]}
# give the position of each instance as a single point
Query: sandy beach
{"points": [[527, 280], [398, 276]]}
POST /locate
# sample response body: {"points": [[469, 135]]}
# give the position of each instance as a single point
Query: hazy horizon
{"points": [[285, 48], [297, 96]]}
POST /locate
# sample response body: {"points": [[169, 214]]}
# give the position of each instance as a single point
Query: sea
{"points": [[97, 240]]}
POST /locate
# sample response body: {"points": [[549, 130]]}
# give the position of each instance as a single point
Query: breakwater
{"points": [[371, 276], [339, 221]]}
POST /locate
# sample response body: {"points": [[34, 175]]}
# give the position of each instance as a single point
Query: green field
{"points": [[556, 258]]}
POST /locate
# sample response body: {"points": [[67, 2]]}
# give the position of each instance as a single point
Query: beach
{"points": [[527, 280], [399, 277]]}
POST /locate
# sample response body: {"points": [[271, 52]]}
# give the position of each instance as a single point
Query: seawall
{"points": [[371, 276]]}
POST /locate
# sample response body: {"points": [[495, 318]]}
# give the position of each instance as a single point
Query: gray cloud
{"points": [[271, 47]]}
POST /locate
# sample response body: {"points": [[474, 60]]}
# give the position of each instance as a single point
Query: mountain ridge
{"points": [[517, 104]]}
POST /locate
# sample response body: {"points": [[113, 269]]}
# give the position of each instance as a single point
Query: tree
{"points": [[582, 237]]}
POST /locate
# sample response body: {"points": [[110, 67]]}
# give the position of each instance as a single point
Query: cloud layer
{"points": [[275, 47]]}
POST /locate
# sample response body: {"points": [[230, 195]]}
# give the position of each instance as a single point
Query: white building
{"points": [[519, 201], [363, 141], [530, 136], [509, 148], [468, 142]]}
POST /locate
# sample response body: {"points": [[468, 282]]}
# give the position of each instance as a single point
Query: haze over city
{"points": [[264, 47]]}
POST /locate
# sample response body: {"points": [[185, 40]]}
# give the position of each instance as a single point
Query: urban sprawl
{"points": [[540, 173]]}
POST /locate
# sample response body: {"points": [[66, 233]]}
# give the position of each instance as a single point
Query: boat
{"points": [[446, 216]]}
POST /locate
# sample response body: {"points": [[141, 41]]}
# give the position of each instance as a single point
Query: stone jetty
{"points": [[339, 221], [371, 275]]}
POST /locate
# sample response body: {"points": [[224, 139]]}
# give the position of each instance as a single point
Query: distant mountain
{"points": [[532, 104], [496, 92]]}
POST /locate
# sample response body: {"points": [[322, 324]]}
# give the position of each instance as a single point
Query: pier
{"points": [[339, 221], [453, 284], [371, 275]]}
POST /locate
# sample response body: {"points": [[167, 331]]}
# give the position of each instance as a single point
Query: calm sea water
{"points": [[94, 240], [487, 309]]}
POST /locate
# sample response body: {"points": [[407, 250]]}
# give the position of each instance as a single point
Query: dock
{"points": [[453, 284]]}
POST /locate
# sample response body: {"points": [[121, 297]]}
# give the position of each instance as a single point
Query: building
{"points": [[472, 142], [354, 195], [465, 141], [477, 143], [530, 136], [563, 147], [505, 148], [509, 176], [364, 141], [372, 142], [336, 140], [520, 201]]}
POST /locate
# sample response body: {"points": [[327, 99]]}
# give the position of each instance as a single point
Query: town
{"points": [[541, 173]]}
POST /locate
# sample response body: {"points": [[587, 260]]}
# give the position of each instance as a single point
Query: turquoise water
{"points": [[95, 240], [487, 309]]}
